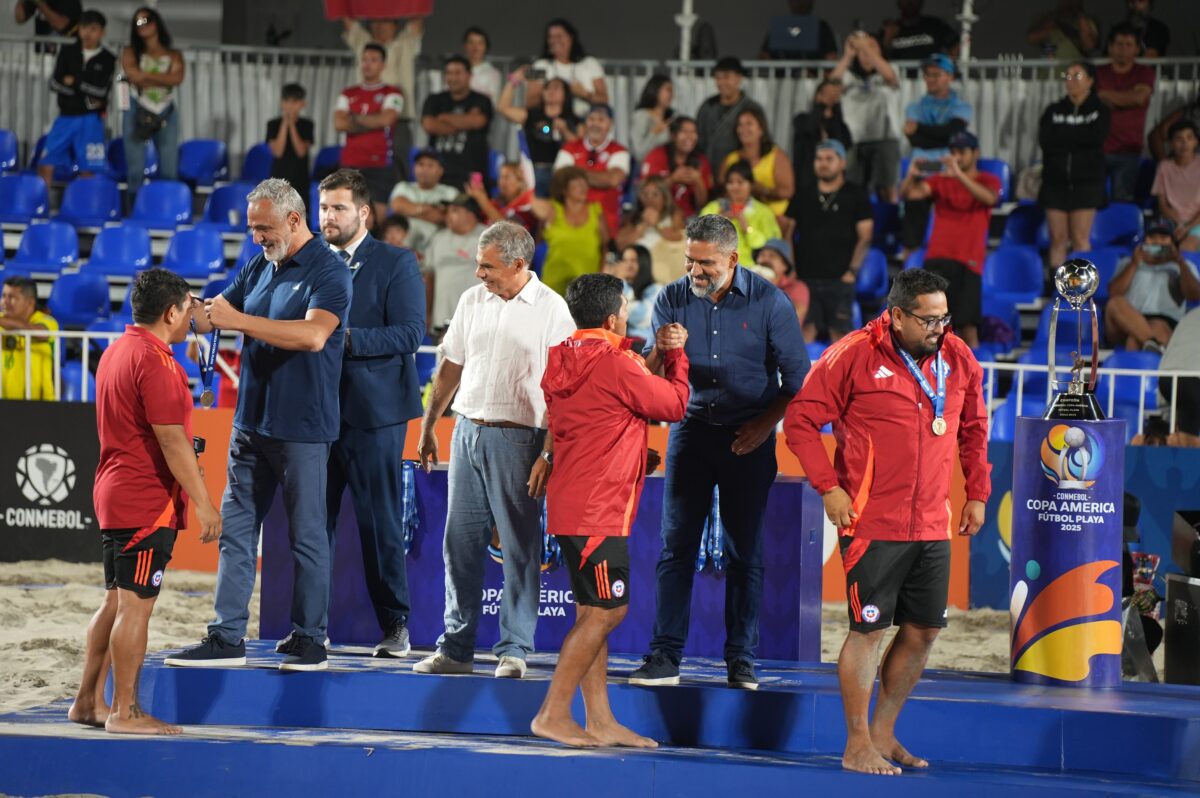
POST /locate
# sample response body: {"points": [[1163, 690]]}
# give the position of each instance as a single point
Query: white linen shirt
{"points": [[502, 347]]}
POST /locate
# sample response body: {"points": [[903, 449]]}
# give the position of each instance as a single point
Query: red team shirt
{"points": [[139, 383], [372, 149], [658, 164], [960, 222], [610, 155]]}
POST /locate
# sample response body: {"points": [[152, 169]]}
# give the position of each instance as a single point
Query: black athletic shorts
{"points": [[380, 182], [829, 307], [599, 569], [965, 292], [138, 567], [896, 581]]}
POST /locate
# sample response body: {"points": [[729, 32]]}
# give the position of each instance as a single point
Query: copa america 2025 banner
{"points": [[48, 456], [1065, 577]]}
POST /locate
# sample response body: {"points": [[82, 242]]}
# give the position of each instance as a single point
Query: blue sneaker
{"points": [[212, 652], [658, 669], [305, 654]]}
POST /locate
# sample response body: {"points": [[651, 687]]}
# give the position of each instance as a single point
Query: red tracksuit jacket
{"points": [[599, 396], [896, 471]]}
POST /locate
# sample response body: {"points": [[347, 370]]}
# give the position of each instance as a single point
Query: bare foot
{"points": [[862, 757], [138, 722], [616, 734], [565, 731], [889, 746], [88, 715]]}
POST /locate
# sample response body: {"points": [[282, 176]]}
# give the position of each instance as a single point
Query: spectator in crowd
{"points": [[929, 124], [485, 78], [774, 182], [379, 395], [573, 227], [424, 200], [1148, 296], [153, 69], [810, 128], [457, 121], [1160, 139], [915, 36], [605, 162], [290, 136], [547, 125], [869, 84], [834, 225], [741, 385], [50, 17], [717, 119], [1152, 33], [492, 361], [635, 268], [1125, 86], [963, 198], [651, 122], [652, 218], [754, 222], [1177, 186], [564, 57], [1071, 133], [18, 312], [449, 264], [366, 113], [682, 163], [395, 231], [776, 255], [1182, 354], [1067, 33], [290, 302], [514, 198], [83, 71], [781, 43], [401, 41]]}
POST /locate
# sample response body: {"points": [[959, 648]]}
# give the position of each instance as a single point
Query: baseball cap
{"points": [[427, 153], [603, 108], [941, 61], [835, 145], [963, 140], [1160, 226], [729, 64], [780, 246]]}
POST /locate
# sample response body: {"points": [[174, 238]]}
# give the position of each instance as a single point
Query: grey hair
{"points": [[280, 194], [715, 230], [513, 241]]}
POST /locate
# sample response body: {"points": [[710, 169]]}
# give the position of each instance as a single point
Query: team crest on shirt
{"points": [[870, 613], [618, 588], [156, 580], [941, 367]]}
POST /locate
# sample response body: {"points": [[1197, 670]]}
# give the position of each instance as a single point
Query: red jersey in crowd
{"points": [[657, 163], [888, 459], [139, 384], [372, 149], [960, 222], [1126, 134], [520, 211], [609, 155]]}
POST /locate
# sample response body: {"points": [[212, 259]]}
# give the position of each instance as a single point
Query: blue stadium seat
{"points": [[328, 159], [1035, 381], [816, 349], [91, 202], [539, 257], [886, 235], [314, 206], [1004, 418], [257, 163], [190, 367], [195, 253], [873, 281], [115, 324], [249, 250], [45, 248], [225, 210], [120, 251], [1119, 224], [497, 159], [162, 205], [1147, 170], [1000, 169], [72, 388], [1107, 260], [62, 174], [1006, 312], [1125, 388], [1022, 225], [202, 162], [1014, 274], [117, 167], [23, 198], [79, 298], [856, 319], [214, 287], [915, 259], [8, 150], [413, 152], [1068, 328]]}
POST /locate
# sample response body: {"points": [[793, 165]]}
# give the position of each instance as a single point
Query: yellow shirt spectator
{"points": [[18, 311]]}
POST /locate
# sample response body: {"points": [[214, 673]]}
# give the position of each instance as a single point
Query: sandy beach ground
{"points": [[45, 608]]}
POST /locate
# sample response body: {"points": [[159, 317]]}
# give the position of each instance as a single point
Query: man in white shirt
{"points": [[449, 265], [485, 78], [870, 109], [492, 360], [423, 200]]}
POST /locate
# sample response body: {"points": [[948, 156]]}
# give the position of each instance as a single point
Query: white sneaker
{"points": [[440, 663], [510, 668]]}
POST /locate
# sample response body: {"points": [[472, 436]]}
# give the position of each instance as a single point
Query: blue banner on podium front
{"points": [[1065, 575]]}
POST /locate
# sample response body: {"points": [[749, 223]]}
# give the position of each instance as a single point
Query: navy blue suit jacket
{"points": [[387, 325]]}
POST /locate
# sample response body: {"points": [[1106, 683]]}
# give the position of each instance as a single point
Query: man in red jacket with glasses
{"points": [[904, 395], [599, 396]]}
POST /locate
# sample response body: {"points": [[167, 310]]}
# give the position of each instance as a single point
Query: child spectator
{"points": [[290, 136], [1177, 186], [395, 231]]}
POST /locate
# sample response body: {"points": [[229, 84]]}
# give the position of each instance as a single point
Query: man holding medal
{"points": [[904, 394]]}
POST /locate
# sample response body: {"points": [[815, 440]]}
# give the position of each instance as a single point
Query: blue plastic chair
{"points": [[856, 319], [23, 198], [163, 205], [497, 159], [195, 253], [1022, 225], [314, 206], [190, 367], [539, 257], [225, 210], [79, 298], [1147, 170], [1013, 273], [120, 251], [886, 235], [62, 174], [1107, 260], [1006, 312], [72, 390], [329, 157], [8, 150], [915, 259], [1035, 381], [1119, 224], [1125, 390], [1068, 328], [816, 349], [202, 162], [91, 202], [214, 287], [413, 152], [1000, 169], [114, 324], [117, 167], [249, 250], [45, 248], [1004, 418], [872, 284], [257, 163]]}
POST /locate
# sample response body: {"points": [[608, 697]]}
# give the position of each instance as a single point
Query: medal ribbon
{"points": [[207, 361], [938, 398]]}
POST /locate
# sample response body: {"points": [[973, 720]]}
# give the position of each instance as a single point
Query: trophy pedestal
{"points": [[1074, 407]]}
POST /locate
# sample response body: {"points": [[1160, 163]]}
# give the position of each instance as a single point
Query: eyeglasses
{"points": [[931, 323], [1073, 75], [140, 21]]}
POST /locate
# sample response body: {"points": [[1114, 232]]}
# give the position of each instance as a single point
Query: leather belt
{"points": [[501, 424]]}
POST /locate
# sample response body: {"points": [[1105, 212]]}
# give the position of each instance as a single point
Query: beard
{"points": [[714, 285], [342, 236]]}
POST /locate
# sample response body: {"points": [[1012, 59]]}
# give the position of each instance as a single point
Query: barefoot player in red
{"points": [[599, 396], [147, 464]]}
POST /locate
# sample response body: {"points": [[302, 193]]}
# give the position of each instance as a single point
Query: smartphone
{"points": [[930, 167], [477, 179], [536, 74]]}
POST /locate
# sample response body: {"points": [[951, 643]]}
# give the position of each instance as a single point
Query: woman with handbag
{"points": [[152, 69]]}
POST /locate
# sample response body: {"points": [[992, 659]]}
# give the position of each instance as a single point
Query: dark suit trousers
{"points": [[369, 462]]}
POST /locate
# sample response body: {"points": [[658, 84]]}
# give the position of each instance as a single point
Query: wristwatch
{"points": [[348, 346], [548, 457]]}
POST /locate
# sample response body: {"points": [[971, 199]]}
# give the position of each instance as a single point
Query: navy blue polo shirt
{"points": [[745, 351], [285, 394]]}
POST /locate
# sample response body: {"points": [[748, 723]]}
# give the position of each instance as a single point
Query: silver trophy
{"points": [[1076, 281]]}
